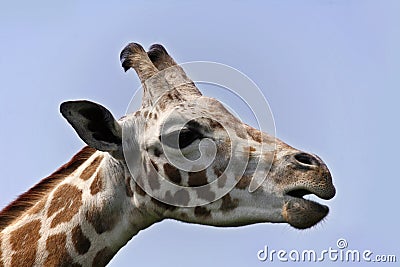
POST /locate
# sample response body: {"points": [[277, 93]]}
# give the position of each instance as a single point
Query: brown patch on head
{"points": [[213, 124], [139, 190], [154, 165], [56, 246], [205, 192], [144, 165], [24, 242], [202, 212], [240, 132], [162, 105], [103, 219], [183, 216], [172, 173], [244, 182], [180, 197], [33, 195], [228, 203], [171, 96], [152, 177], [67, 200], [197, 178], [254, 134], [88, 172], [163, 205], [222, 178], [103, 257], [97, 184], [80, 241], [128, 189]]}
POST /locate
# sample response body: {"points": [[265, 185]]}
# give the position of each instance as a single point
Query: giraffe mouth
{"points": [[302, 213]]}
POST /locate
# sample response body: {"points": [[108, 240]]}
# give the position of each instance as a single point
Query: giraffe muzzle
{"points": [[313, 178]]}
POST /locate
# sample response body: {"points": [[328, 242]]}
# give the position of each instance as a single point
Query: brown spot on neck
{"points": [[56, 246], [103, 219], [24, 242], [37, 192], [66, 202], [88, 172], [80, 241], [97, 184]]}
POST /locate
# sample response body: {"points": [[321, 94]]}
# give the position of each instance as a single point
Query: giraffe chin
{"points": [[302, 214]]}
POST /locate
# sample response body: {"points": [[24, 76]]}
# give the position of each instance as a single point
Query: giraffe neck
{"points": [[84, 218]]}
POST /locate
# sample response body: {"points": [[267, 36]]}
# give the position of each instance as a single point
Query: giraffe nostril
{"points": [[306, 159]]}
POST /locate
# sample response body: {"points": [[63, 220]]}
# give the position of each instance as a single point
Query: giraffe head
{"points": [[192, 160]]}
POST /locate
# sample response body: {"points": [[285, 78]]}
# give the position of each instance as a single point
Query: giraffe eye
{"points": [[181, 138], [187, 136]]}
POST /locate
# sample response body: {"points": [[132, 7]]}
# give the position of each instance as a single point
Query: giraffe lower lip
{"points": [[302, 213]]}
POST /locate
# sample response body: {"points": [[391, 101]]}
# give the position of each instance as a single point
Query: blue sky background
{"points": [[329, 69]]}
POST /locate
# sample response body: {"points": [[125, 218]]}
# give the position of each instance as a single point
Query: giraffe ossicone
{"points": [[182, 156]]}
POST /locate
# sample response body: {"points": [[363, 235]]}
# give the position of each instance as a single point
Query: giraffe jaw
{"points": [[301, 213]]}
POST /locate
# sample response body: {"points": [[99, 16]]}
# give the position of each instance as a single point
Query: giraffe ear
{"points": [[94, 124]]}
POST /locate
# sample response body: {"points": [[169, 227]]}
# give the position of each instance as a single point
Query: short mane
{"points": [[28, 199]]}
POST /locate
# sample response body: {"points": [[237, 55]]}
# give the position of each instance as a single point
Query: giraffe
{"points": [[88, 209]]}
